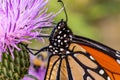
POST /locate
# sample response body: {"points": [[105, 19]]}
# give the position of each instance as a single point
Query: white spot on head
{"points": [[61, 49], [58, 37], [59, 26], [61, 37], [118, 61], [58, 45], [64, 35], [67, 52], [55, 39], [53, 52], [68, 30], [65, 40], [63, 28], [50, 46], [55, 44], [56, 51], [101, 72], [60, 53], [108, 78], [63, 56], [92, 58], [70, 36], [60, 32], [59, 41], [66, 45]]}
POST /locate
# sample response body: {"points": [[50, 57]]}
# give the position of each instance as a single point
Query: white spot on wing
{"points": [[108, 78], [89, 78], [118, 61], [92, 58], [75, 55], [101, 72], [117, 52], [117, 55]]}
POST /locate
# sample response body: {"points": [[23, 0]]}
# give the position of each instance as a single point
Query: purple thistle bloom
{"points": [[39, 73], [19, 21]]}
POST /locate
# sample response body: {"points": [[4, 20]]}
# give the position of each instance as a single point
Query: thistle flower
{"points": [[19, 21]]}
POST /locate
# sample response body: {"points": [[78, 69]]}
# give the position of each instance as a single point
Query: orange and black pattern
{"points": [[78, 58]]}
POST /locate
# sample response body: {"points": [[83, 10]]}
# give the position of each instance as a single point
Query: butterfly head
{"points": [[60, 38]]}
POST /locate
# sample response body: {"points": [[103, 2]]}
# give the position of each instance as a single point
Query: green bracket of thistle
{"points": [[14, 69]]}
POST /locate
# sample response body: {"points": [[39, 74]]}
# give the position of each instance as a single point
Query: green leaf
{"points": [[14, 67]]}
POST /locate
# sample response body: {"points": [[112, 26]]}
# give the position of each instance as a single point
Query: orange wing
{"points": [[111, 66], [107, 57], [74, 66]]}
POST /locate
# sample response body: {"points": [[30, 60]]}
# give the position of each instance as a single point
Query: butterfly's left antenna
{"points": [[64, 10]]}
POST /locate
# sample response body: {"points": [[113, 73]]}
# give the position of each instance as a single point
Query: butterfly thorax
{"points": [[60, 38]]}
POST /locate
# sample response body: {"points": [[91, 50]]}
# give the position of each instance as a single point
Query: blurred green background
{"points": [[95, 19]]}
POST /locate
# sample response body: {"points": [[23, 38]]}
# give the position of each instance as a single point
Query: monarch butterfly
{"points": [[78, 58]]}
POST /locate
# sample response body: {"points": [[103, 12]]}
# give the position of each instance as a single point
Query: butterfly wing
{"points": [[84, 68], [107, 57], [74, 66]]}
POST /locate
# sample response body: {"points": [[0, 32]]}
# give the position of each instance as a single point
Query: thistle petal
{"points": [[19, 20]]}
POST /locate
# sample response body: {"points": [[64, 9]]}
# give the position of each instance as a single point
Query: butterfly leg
{"points": [[38, 51]]}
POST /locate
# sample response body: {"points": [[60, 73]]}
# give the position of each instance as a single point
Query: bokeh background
{"points": [[95, 19]]}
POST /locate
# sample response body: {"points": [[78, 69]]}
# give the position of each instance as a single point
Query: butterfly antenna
{"points": [[64, 9]]}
